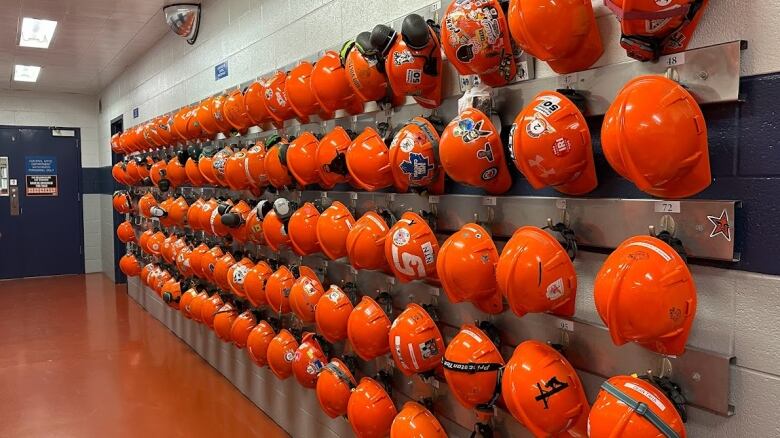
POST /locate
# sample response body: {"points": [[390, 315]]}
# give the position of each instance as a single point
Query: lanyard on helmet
{"points": [[640, 408]]}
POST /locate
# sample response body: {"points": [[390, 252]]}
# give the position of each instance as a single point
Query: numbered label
{"points": [[667, 207], [672, 60], [565, 324], [560, 204]]}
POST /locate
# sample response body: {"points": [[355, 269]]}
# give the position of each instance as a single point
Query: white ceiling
{"points": [[95, 40]]}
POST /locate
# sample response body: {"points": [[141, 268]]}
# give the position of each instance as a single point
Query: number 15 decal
{"points": [[407, 263]]}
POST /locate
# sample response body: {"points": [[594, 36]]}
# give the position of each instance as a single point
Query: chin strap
{"points": [[641, 409]]}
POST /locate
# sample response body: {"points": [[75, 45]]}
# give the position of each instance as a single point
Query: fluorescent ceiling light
{"points": [[37, 33], [26, 73]]}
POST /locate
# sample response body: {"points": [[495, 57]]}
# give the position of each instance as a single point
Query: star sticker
{"points": [[722, 226]]}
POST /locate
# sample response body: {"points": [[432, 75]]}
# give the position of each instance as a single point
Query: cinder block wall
{"points": [[738, 310]]}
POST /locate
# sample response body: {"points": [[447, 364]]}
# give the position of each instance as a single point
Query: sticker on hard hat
{"points": [[289, 356], [645, 393], [308, 287], [548, 106], [428, 349], [407, 144], [653, 248], [469, 130], [427, 250], [553, 386], [486, 153], [404, 57], [398, 354], [413, 76], [561, 147], [489, 173], [555, 289], [240, 274], [401, 237], [334, 296], [418, 166]]}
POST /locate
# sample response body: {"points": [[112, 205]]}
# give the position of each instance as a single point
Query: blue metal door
{"points": [[41, 217]]}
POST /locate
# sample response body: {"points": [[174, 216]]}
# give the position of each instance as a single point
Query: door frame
{"points": [[79, 181], [116, 218]]}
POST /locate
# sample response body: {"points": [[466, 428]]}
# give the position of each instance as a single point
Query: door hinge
{"points": [[78, 197]]}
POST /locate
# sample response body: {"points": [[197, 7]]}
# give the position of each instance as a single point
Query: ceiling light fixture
{"points": [[37, 33], [26, 73]]}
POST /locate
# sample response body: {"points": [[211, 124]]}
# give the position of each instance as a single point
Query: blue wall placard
{"points": [[135, 113], [221, 71], [40, 165]]}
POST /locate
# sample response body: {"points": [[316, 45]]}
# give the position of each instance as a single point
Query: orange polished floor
{"points": [[79, 358]]}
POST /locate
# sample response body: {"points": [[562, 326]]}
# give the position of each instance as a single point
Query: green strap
{"points": [[641, 409]]}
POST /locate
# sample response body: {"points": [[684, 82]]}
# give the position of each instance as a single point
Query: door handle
{"points": [[14, 192]]}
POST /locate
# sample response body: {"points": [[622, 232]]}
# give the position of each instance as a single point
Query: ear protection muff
{"points": [[363, 44], [416, 33], [283, 151], [263, 208], [272, 140], [193, 151], [284, 209], [182, 155], [382, 37], [345, 49], [164, 184]]}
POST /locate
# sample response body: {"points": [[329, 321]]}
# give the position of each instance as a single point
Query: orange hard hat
{"points": [[129, 265], [236, 174], [159, 279], [205, 117], [196, 305], [155, 243], [466, 265], [414, 158], [365, 70], [275, 161], [183, 260], [158, 173], [630, 406], [145, 272], [412, 59], [415, 341], [218, 111], [196, 259], [254, 102], [543, 392], [573, 45], [258, 342], [304, 295], [331, 314], [650, 29], [186, 301], [206, 166], [331, 156], [370, 410], [368, 328], [645, 293], [132, 170], [368, 161], [235, 218], [171, 293], [302, 100], [276, 99], [333, 227], [117, 143], [330, 85], [176, 173], [536, 275], [476, 40], [209, 262], [236, 276], [176, 212], [143, 240], [254, 283], [414, 421], [193, 214], [254, 165], [122, 202], [168, 248], [366, 241], [209, 309], [280, 354], [658, 111], [223, 321], [221, 269], [472, 153], [334, 388], [201, 218], [242, 327], [550, 144], [235, 112], [219, 161], [308, 361], [279, 284], [472, 368], [180, 124], [193, 172], [214, 221], [301, 159], [302, 229], [411, 248], [274, 231], [125, 232], [119, 172]]}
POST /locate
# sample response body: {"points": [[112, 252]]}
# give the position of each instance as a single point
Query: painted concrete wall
{"points": [[27, 108], [738, 311]]}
